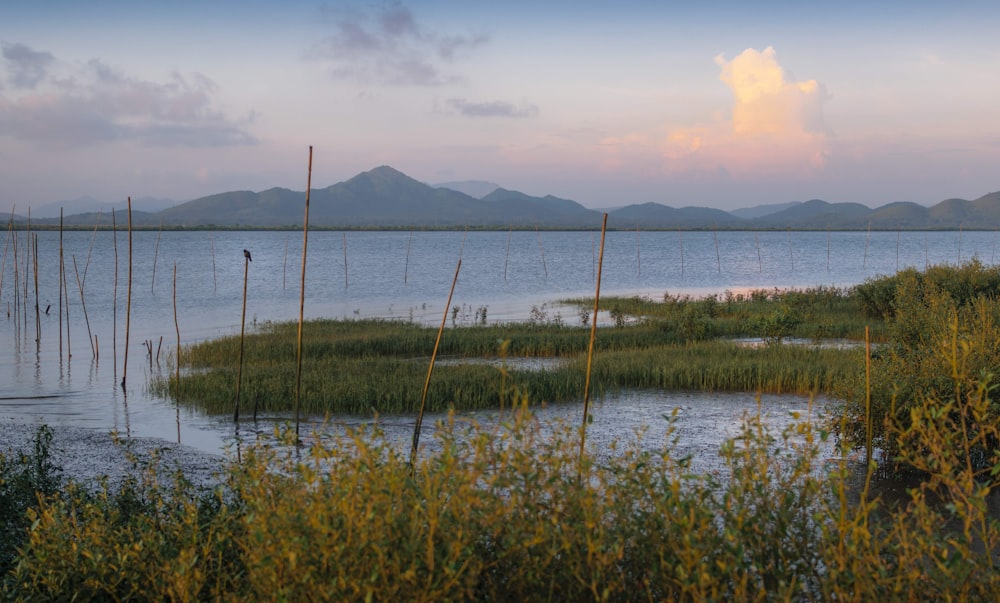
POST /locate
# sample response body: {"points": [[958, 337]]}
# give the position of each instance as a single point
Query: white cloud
{"points": [[774, 128], [80, 104]]}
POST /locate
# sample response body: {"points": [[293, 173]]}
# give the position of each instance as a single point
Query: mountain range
{"points": [[386, 198]]}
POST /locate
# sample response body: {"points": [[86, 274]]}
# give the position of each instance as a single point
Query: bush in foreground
{"points": [[514, 513]]}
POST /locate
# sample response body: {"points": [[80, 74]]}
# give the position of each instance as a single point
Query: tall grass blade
{"points": [[302, 298]]}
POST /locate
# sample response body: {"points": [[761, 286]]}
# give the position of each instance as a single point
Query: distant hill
{"points": [[387, 198], [759, 211], [85, 205], [472, 188]]}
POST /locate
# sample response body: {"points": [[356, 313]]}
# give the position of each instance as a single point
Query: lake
{"points": [[398, 274]]}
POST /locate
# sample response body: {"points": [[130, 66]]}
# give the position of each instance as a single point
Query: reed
{"points": [[760, 262], [345, 260], [177, 359]]}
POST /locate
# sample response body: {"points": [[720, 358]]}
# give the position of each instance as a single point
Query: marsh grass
{"points": [[369, 366]]}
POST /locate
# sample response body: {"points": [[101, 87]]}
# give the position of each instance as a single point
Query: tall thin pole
{"points": [[638, 257], [760, 263], [83, 303], [128, 302], [59, 278], [541, 250], [243, 322], [38, 317], [430, 369], [718, 258], [345, 260], [156, 254], [593, 336], [406, 267], [215, 283], [680, 235], [302, 297], [284, 263], [177, 368], [506, 258], [827, 248], [6, 244], [114, 301]]}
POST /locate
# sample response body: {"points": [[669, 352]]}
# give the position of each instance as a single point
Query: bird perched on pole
{"points": [[246, 254]]}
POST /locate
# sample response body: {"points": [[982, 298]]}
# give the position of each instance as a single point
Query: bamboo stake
{"points": [[90, 250], [638, 258], [345, 260], [680, 234], [959, 243], [79, 283], [828, 249], [128, 302], [302, 298], [593, 336], [760, 263], [177, 368], [897, 250], [541, 249], [65, 292], [430, 370], [114, 301], [215, 284], [6, 244], [27, 273], [17, 289], [284, 263], [867, 239], [718, 258], [156, 253], [60, 279], [506, 258], [791, 258], [868, 397], [38, 316], [243, 322], [406, 267]]}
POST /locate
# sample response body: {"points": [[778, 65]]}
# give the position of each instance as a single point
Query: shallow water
{"points": [[513, 276]]}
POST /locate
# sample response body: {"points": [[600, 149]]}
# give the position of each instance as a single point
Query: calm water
{"points": [[386, 274]]}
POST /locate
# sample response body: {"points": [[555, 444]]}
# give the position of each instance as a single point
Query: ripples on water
{"points": [[386, 274]]}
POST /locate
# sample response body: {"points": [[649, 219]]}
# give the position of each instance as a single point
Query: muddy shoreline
{"points": [[88, 455]]}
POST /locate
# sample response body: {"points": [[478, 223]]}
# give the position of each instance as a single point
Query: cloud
{"points": [[388, 46], [491, 108], [775, 128], [82, 104], [27, 67], [766, 102]]}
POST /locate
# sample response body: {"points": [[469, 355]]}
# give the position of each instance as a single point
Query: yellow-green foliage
{"points": [[944, 347], [512, 513]]}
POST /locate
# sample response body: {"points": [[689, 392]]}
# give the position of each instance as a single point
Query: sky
{"points": [[716, 104]]}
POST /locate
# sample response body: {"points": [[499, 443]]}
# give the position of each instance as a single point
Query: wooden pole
{"points": [[60, 279], [38, 316], [243, 322], [593, 336], [506, 258], [406, 267], [718, 258], [345, 260], [541, 250], [760, 263], [302, 298], [177, 368], [430, 370], [128, 302], [114, 301], [83, 303], [156, 254]]}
